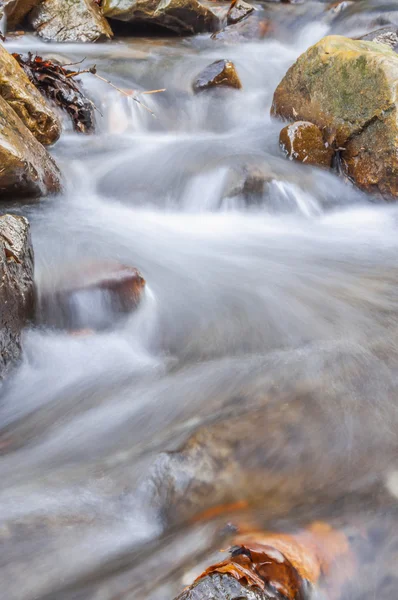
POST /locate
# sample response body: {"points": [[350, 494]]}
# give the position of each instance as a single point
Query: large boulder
{"points": [[16, 10], [26, 100], [303, 141], [72, 21], [16, 286], [26, 166], [348, 88], [185, 17]]}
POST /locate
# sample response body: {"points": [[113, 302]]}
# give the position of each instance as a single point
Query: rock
{"points": [[72, 21], [303, 141], [113, 289], [223, 587], [248, 181], [385, 35], [221, 73], [348, 89], [16, 286], [26, 100], [185, 17], [238, 11], [26, 167], [16, 10]]}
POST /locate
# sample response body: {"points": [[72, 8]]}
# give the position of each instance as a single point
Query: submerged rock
{"points": [[27, 169], [303, 141], [113, 289], [27, 101], [16, 286], [348, 88], [185, 17], [72, 21], [221, 73], [238, 11], [16, 10]]}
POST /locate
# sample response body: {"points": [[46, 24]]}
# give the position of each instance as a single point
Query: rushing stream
{"points": [[290, 294]]}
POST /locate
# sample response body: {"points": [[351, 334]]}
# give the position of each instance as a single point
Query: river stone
{"points": [[223, 587], [26, 100], [385, 35], [26, 167], [185, 17], [70, 21], [16, 286], [303, 141], [221, 73], [68, 303], [238, 11], [16, 10], [349, 89]]}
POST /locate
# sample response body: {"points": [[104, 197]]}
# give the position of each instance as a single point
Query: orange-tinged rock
{"points": [[303, 141]]}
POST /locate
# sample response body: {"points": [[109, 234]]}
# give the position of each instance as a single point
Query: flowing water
{"points": [[291, 293]]}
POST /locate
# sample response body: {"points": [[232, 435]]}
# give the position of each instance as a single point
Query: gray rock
{"points": [[386, 35], [222, 587], [238, 11], [71, 21], [16, 286]]}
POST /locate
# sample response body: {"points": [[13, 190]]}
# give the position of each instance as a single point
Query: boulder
{"points": [[16, 286], [26, 100], [16, 10], [185, 17], [348, 88], [238, 10], [72, 21], [26, 167], [221, 73], [303, 141], [113, 289]]}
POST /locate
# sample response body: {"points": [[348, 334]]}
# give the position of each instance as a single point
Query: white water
{"points": [[309, 267]]}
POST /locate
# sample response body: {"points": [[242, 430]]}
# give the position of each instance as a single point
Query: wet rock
{"points": [[184, 17], [26, 167], [91, 297], [16, 286], [386, 35], [27, 101], [223, 587], [71, 21], [238, 10], [248, 181], [221, 73], [16, 10], [303, 141], [348, 89]]}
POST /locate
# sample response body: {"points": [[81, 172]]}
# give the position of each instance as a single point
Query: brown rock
{"points": [[185, 17], [221, 73], [16, 10], [26, 167], [118, 288], [71, 21], [26, 100], [238, 10], [16, 286], [303, 141], [348, 88]]}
